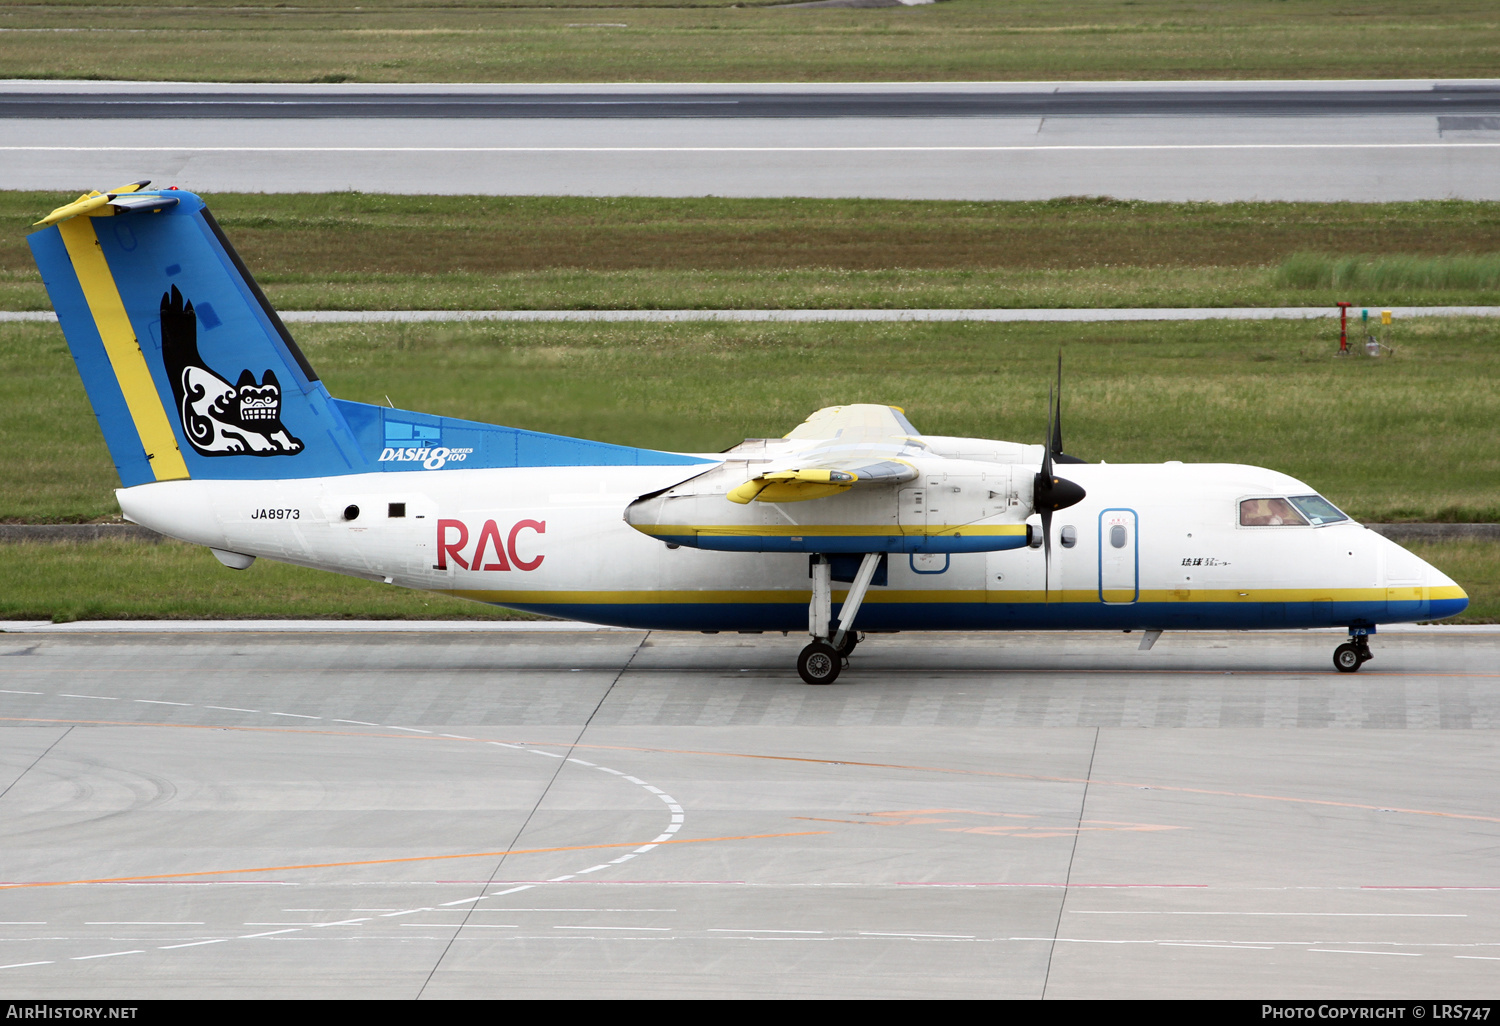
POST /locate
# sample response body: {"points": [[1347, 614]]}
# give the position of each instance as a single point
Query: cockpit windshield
{"points": [[1296, 511], [1269, 512], [1317, 509]]}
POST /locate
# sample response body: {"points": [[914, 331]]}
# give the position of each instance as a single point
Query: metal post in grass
{"points": [[1344, 328], [1379, 346]]}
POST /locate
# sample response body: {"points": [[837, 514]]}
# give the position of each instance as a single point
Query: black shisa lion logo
{"points": [[218, 418]]}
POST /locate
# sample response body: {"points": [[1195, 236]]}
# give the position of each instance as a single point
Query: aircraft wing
{"points": [[858, 422]]}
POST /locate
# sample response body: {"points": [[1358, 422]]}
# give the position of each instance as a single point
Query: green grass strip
{"points": [[746, 41], [1390, 274], [350, 251]]}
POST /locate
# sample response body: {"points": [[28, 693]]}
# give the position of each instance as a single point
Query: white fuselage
{"points": [[554, 540]]}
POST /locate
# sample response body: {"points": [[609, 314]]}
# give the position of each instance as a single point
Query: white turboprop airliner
{"points": [[224, 436]]}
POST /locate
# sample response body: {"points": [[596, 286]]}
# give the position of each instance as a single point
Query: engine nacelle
{"points": [[947, 506]]}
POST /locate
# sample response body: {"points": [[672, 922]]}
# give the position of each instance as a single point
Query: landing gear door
{"points": [[1119, 557]]}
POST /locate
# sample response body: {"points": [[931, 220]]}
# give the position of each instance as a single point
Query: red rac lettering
{"points": [[489, 554]]}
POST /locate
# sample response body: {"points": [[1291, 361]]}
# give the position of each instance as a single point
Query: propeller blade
{"points": [[1054, 436], [1054, 432], [1047, 456], [1046, 555]]}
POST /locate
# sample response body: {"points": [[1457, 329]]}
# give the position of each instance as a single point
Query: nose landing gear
{"points": [[1355, 652]]}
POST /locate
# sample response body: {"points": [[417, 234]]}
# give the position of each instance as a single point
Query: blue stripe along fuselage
{"points": [[979, 616]]}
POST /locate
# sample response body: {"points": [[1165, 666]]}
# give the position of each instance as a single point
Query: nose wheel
{"points": [[1354, 653]]}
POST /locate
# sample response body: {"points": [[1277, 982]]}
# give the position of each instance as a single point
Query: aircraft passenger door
{"points": [[1119, 557]]}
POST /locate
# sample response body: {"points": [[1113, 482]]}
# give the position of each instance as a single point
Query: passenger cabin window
{"points": [[1069, 536], [1318, 509], [1117, 536], [1276, 512]]}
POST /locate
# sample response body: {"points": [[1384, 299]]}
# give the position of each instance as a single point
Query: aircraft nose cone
{"points": [[1448, 596], [1445, 597]]}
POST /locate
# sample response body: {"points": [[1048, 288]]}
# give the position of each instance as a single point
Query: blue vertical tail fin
{"points": [[185, 362]]}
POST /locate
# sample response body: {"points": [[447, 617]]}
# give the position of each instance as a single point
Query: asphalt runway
{"points": [[535, 813], [1363, 141]]}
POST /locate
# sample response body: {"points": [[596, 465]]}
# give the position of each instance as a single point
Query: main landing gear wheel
{"points": [[847, 648], [1353, 654], [819, 663]]}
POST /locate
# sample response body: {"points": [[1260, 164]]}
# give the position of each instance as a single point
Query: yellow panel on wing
{"points": [[792, 486]]}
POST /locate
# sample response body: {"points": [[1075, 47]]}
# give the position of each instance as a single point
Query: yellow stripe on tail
{"points": [[125, 356]]}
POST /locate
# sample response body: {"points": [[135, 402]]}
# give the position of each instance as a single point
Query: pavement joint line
{"points": [[752, 929], [107, 954], [1347, 951]]}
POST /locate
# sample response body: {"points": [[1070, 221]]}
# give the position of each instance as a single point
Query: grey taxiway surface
{"points": [[519, 812], [1220, 141]]}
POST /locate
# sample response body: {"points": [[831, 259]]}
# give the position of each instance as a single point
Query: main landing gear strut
{"points": [[1355, 652], [833, 640]]}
